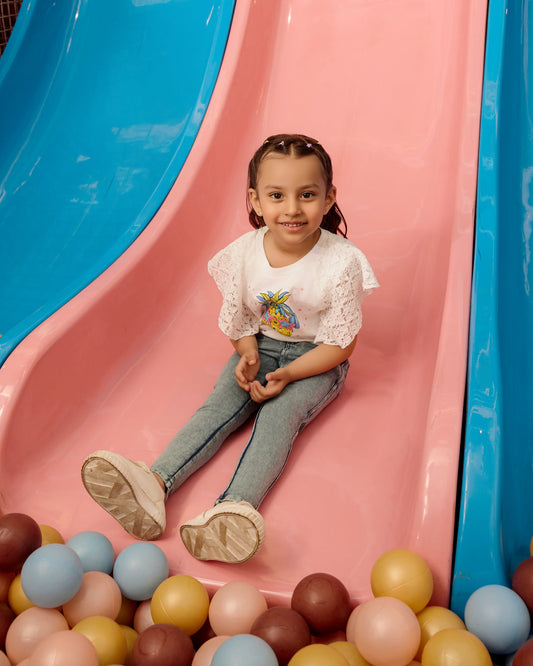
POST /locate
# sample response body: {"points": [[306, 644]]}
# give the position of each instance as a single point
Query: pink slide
{"points": [[392, 89]]}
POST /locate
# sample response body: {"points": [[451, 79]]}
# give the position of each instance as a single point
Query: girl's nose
{"points": [[293, 205]]}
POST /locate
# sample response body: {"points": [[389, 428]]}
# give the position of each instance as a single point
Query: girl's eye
{"points": [[275, 195], [308, 195]]}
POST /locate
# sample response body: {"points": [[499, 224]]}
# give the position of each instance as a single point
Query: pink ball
{"points": [[143, 616], [235, 607], [205, 654], [29, 628], [99, 594], [59, 649], [387, 632], [4, 661]]}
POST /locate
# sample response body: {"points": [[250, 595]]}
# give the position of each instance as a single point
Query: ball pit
{"points": [[139, 569], [94, 550], [235, 607], [323, 601], [51, 575]]}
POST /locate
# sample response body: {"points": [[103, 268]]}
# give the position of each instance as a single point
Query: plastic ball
{"points": [[524, 654], [162, 645], [143, 616], [402, 574], [7, 615], [434, 619], [50, 535], [318, 655], [18, 601], [29, 629], [522, 582], [350, 653], [205, 652], [183, 601], [235, 607], [139, 569], [499, 617], [106, 637], [244, 650], [20, 535], [127, 611], [323, 601], [94, 550], [51, 575], [99, 594], [6, 578], [131, 636], [455, 646], [387, 632], [284, 629], [59, 648], [4, 661]]}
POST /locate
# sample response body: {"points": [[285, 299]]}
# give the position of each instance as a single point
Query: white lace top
{"points": [[316, 299]]}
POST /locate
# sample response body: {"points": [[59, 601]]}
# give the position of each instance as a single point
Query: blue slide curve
{"points": [[101, 103], [496, 516]]}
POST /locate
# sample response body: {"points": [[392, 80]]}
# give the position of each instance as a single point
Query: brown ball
{"points": [[524, 655], [323, 601], [284, 629], [522, 582], [20, 535], [6, 618], [162, 645]]}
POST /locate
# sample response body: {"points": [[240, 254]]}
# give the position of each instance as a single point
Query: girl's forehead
{"points": [[277, 165]]}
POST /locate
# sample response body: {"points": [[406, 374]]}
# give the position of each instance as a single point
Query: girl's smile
{"points": [[292, 199]]}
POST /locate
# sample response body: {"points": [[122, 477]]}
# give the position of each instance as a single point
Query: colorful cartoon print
{"points": [[277, 314]]}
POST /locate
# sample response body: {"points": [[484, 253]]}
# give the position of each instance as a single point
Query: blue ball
{"points": [[139, 569], [244, 650], [94, 550], [51, 575], [498, 617]]}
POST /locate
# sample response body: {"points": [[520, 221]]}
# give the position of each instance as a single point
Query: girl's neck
{"points": [[278, 257]]}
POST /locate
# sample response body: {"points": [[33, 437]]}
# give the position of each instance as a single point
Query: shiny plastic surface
{"points": [[496, 520], [101, 102], [393, 90]]}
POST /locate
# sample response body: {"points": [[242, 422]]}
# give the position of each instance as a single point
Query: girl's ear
{"points": [[331, 197], [254, 200]]}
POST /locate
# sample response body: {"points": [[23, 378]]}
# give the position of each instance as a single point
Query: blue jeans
{"points": [[276, 425]]}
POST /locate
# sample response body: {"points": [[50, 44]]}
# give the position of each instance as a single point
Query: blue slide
{"points": [[101, 103], [496, 515]]}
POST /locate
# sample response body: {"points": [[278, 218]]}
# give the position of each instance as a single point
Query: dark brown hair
{"points": [[296, 145]]}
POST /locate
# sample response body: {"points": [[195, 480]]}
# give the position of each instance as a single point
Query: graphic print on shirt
{"points": [[277, 314]]}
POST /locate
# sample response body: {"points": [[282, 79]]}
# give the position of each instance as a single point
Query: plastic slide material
{"points": [[101, 103], [393, 90], [496, 519]]}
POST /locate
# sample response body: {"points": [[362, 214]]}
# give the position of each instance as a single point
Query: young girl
{"points": [[292, 291]]}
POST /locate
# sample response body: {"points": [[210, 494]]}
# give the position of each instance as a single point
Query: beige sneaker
{"points": [[229, 532], [128, 491]]}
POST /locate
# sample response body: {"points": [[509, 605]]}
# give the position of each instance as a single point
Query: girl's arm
{"points": [[314, 362], [248, 366]]}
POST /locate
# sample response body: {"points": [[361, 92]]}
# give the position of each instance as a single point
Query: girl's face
{"points": [[292, 199]]}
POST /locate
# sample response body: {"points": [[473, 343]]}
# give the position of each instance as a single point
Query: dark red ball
{"points": [[162, 645], [524, 655], [6, 618], [284, 629], [323, 601], [20, 535], [522, 582]]}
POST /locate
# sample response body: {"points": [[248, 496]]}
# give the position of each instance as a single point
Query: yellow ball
{"points": [[106, 636], [16, 598], [181, 600], [318, 655], [350, 653], [402, 574], [131, 636], [434, 619], [455, 646], [50, 535]]}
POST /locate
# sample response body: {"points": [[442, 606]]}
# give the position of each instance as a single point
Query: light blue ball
{"points": [[139, 569], [244, 650], [94, 550], [498, 617], [51, 575]]}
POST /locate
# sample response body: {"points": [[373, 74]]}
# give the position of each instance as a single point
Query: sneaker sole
{"points": [[112, 491], [225, 537]]}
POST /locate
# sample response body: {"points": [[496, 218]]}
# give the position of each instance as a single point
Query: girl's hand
{"points": [[247, 369], [276, 382]]}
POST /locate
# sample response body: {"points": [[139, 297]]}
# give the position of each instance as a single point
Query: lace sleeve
{"points": [[235, 319], [349, 280]]}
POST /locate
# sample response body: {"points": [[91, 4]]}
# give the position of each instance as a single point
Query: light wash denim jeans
{"points": [[276, 425]]}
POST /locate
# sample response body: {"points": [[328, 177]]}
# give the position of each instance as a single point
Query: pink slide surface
{"points": [[392, 89]]}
